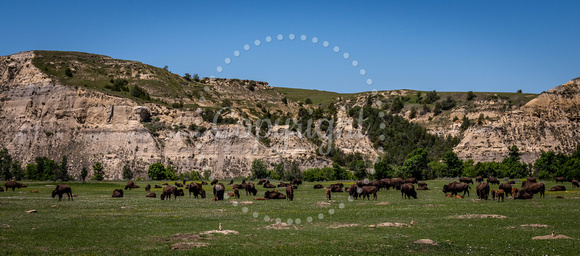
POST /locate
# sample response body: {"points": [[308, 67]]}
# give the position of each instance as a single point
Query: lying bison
{"points": [[532, 179], [335, 188], [157, 186], [408, 191], [179, 185], [421, 183], [130, 185], [13, 184], [1, 189], [268, 185], [152, 194], [558, 188], [62, 189], [168, 191], [274, 195], [466, 180], [455, 187], [318, 186], [262, 181], [290, 193], [575, 184], [118, 193], [493, 181], [482, 190], [524, 195], [296, 182], [424, 187]]}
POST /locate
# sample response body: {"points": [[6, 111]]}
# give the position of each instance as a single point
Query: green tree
{"points": [[196, 77], [453, 163], [413, 113], [127, 173], [338, 173], [68, 72], [293, 173], [285, 101], [258, 169], [98, 173], [5, 164], [17, 171], [61, 173], [471, 95], [31, 172], [397, 105], [194, 175], [383, 170], [415, 164], [206, 174], [419, 97], [187, 77], [279, 170], [359, 169], [431, 97], [156, 171], [480, 119], [308, 101], [465, 123], [437, 109], [170, 173], [84, 174]]}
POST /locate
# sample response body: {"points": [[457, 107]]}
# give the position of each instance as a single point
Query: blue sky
{"points": [[421, 45]]}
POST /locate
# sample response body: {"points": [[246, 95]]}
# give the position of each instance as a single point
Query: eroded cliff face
{"points": [[550, 122], [40, 117]]}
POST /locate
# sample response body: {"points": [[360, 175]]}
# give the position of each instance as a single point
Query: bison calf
{"points": [[500, 195], [328, 196]]}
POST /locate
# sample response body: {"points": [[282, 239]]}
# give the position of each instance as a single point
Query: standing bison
{"points": [[396, 183], [534, 188], [13, 184], [408, 191], [129, 185], [507, 188], [168, 191], [455, 187], [479, 179], [483, 191], [62, 189], [148, 188], [368, 190], [290, 193], [251, 189], [500, 195], [466, 180], [493, 181], [214, 181], [218, 192]]}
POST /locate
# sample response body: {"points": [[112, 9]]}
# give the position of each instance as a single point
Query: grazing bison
{"points": [[483, 190], [318, 186], [236, 193], [148, 187], [152, 194], [354, 191], [396, 183], [524, 195], [534, 188], [118, 193], [157, 186], [290, 193], [168, 191], [455, 187], [296, 182], [214, 181], [507, 188], [129, 185], [424, 187], [251, 189], [479, 179], [268, 185], [385, 183], [262, 181], [218, 192], [13, 184], [575, 184], [466, 180], [558, 188], [411, 180], [328, 195], [493, 181], [408, 191], [179, 185], [560, 179], [500, 195], [274, 195], [62, 189], [194, 188], [368, 190]]}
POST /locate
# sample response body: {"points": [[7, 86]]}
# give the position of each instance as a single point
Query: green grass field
{"points": [[96, 224]]}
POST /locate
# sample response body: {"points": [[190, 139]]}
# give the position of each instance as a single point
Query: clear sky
{"points": [[421, 45]]}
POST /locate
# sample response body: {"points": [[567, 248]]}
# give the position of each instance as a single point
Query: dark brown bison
{"points": [[180, 192], [214, 181], [354, 190], [328, 194], [385, 183], [129, 185], [13, 184], [148, 187], [262, 181], [231, 182], [511, 182], [534, 188], [1, 189], [118, 193], [482, 190], [152, 194], [335, 188], [411, 180], [318, 186], [290, 193], [274, 195], [157, 186], [424, 187], [238, 186], [466, 180], [560, 179], [507, 188], [179, 185], [218, 192], [296, 182], [493, 181], [558, 188], [479, 179], [251, 189], [164, 184], [168, 191], [421, 183], [368, 190], [282, 184], [195, 189], [500, 195], [396, 183], [203, 183], [532, 179], [236, 193], [268, 185], [455, 187], [575, 184], [524, 195], [62, 189], [408, 191], [492, 192]]}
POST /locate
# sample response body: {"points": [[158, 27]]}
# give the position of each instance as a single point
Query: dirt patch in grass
{"points": [[322, 204], [180, 237], [390, 224], [551, 237], [225, 232], [280, 225], [433, 205], [4, 226], [534, 225], [383, 203], [188, 245], [246, 202], [481, 216], [425, 241], [343, 225]]}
